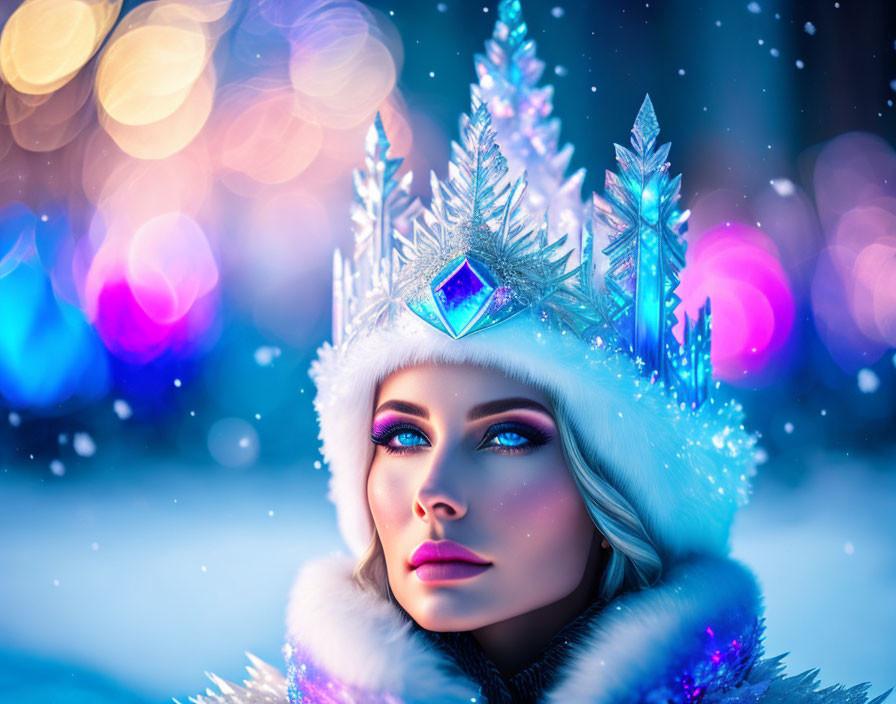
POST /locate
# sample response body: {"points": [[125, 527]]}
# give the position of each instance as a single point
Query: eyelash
{"points": [[534, 438], [387, 434]]}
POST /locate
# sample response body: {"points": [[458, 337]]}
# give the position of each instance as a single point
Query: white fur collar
{"points": [[363, 641]]}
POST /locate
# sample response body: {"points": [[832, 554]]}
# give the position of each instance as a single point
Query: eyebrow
{"points": [[403, 407], [483, 410], [491, 408]]}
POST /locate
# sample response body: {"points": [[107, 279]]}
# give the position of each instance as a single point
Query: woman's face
{"points": [[479, 518]]}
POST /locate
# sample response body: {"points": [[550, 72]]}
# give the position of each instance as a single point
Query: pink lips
{"points": [[445, 560]]}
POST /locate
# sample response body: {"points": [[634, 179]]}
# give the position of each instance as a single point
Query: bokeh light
{"points": [[363, 85], [168, 135], [141, 290], [46, 42], [56, 247], [787, 215], [261, 136], [850, 170], [151, 63], [47, 122], [133, 336], [195, 171], [340, 66], [48, 352], [17, 223], [170, 265], [738, 268], [128, 191], [853, 291], [233, 442], [287, 245], [174, 177], [155, 82]]}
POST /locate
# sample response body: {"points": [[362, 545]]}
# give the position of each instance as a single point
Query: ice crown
{"points": [[485, 249]]}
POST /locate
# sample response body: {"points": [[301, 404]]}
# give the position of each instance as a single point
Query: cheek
{"points": [[542, 517], [388, 495]]}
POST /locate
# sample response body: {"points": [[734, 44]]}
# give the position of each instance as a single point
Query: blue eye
{"points": [[399, 437], [510, 439], [513, 438], [407, 439]]}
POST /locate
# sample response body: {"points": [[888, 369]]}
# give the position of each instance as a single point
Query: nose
{"points": [[440, 496]]}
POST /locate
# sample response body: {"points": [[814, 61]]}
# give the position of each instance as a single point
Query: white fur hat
{"points": [[684, 471], [680, 457]]}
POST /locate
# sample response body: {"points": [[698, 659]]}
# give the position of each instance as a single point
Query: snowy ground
{"points": [[125, 588], [825, 554]]}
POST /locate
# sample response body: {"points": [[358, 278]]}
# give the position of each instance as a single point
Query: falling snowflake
{"points": [[122, 409], [265, 355], [84, 445], [783, 186], [868, 381]]}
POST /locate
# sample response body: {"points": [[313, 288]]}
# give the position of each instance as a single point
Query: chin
{"points": [[447, 611], [448, 620]]}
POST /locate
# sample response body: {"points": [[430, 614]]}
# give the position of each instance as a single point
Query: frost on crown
{"points": [[364, 287], [476, 257], [528, 135], [646, 254]]}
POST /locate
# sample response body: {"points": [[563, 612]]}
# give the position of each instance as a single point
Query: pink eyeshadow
{"points": [[384, 421], [534, 418]]}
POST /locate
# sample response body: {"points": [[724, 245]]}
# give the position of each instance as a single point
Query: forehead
{"points": [[449, 387]]}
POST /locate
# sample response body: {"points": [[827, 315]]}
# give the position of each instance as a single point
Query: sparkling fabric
{"points": [[308, 684], [718, 665], [715, 666]]}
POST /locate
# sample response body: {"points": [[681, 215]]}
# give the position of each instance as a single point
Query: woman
{"points": [[497, 553], [535, 516], [533, 476]]}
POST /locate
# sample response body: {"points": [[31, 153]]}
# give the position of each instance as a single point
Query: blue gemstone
{"points": [[462, 292]]}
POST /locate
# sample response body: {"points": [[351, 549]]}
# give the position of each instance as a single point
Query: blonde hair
{"points": [[634, 561]]}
